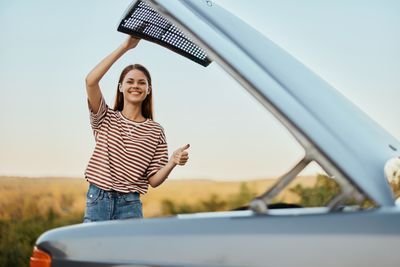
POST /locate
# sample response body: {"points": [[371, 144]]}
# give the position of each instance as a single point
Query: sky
{"points": [[48, 47]]}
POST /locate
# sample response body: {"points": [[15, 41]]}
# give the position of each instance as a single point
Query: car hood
{"points": [[228, 239], [333, 131]]}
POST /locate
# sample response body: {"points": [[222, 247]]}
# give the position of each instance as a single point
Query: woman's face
{"points": [[135, 86]]}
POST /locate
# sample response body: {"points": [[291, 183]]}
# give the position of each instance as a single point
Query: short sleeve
{"points": [[160, 158], [97, 118]]}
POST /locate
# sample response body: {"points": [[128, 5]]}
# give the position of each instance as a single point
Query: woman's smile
{"points": [[135, 92]]}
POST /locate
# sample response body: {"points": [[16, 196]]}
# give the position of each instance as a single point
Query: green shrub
{"points": [[213, 203], [18, 236], [320, 194]]}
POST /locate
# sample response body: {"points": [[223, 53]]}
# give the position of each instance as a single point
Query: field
{"points": [[22, 197]]}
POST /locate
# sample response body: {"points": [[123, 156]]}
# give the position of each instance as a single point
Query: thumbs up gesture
{"points": [[181, 155]]}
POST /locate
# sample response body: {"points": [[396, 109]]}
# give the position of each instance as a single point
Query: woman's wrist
{"points": [[124, 47], [171, 164]]}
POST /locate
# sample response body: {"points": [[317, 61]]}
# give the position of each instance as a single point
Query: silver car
{"points": [[324, 122]]}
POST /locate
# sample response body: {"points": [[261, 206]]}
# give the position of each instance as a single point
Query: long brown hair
{"points": [[147, 104]]}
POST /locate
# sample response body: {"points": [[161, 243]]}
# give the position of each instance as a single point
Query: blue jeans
{"points": [[104, 205]]}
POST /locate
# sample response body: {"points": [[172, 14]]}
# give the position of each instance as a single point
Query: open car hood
{"points": [[334, 132]]}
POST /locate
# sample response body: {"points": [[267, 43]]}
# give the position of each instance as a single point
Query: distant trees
{"points": [[317, 195], [324, 189], [212, 203]]}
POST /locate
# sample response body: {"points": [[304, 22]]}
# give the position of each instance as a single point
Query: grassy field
{"points": [[22, 197]]}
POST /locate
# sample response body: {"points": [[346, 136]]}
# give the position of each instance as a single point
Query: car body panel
{"points": [[333, 239]]}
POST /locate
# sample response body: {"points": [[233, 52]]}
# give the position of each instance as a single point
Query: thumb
{"points": [[185, 147]]}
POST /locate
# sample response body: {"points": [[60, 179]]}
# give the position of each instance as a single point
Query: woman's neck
{"points": [[133, 113]]}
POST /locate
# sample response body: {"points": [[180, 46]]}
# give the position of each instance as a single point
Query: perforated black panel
{"points": [[144, 22]]}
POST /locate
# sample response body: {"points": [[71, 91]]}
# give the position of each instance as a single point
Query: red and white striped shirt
{"points": [[127, 153]]}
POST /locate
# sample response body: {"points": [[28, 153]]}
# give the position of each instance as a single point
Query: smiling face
{"points": [[133, 82], [135, 87]]}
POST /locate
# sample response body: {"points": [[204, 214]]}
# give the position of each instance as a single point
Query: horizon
{"points": [[174, 179]]}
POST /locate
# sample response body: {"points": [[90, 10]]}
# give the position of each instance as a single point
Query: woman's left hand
{"points": [[180, 156]]}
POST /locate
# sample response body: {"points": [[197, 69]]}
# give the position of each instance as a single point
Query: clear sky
{"points": [[48, 47]]}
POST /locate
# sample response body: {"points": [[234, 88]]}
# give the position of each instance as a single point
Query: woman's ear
{"points": [[149, 90], [120, 87]]}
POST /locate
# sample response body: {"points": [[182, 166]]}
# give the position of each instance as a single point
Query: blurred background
{"points": [[237, 147]]}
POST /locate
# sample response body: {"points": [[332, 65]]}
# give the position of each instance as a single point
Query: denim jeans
{"points": [[104, 205]]}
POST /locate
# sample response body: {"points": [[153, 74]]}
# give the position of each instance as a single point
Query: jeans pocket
{"points": [[92, 195], [131, 206]]}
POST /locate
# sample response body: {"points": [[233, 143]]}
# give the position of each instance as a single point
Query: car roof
{"points": [[334, 132]]}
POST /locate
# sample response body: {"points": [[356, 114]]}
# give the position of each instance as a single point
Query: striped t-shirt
{"points": [[127, 153]]}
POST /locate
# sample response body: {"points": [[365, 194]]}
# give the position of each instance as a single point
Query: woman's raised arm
{"points": [[95, 75]]}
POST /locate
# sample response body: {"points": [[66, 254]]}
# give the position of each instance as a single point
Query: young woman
{"points": [[131, 149]]}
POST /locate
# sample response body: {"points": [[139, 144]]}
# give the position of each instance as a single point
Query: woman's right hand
{"points": [[131, 42]]}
